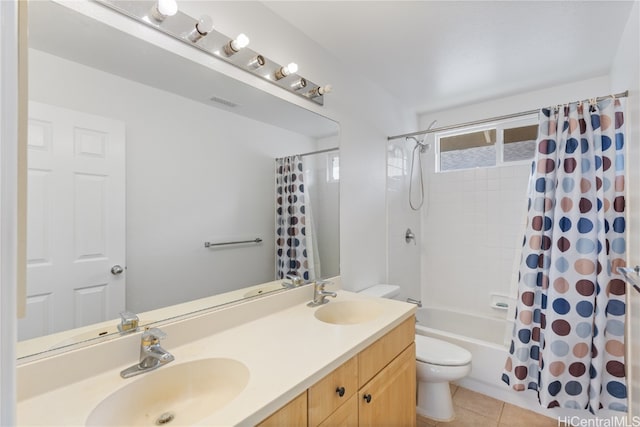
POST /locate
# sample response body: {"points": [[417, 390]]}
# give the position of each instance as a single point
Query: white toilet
{"points": [[437, 363]]}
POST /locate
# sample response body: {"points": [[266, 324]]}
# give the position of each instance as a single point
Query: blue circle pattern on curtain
{"points": [[568, 338], [291, 252]]}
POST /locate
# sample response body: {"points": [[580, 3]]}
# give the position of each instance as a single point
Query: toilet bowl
{"points": [[437, 363]]}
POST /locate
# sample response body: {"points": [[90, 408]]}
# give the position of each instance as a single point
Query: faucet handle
{"points": [[296, 280], [320, 284], [128, 322], [152, 336]]}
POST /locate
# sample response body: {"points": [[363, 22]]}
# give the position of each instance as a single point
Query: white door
{"points": [[75, 220]]}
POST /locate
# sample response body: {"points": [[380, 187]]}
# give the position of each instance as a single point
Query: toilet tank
{"points": [[382, 291]]}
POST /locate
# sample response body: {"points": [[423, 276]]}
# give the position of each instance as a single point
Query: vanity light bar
{"points": [[201, 34]]}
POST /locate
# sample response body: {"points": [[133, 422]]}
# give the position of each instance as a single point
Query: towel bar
{"points": [[209, 244]]}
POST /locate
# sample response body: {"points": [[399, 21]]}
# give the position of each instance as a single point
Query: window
{"points": [[491, 144], [333, 167]]}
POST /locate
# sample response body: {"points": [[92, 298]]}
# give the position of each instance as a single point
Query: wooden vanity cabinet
{"points": [[379, 388], [345, 416], [387, 375], [293, 414], [332, 391], [389, 399]]}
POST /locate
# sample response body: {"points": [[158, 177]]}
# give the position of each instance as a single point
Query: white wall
{"points": [[473, 224], [325, 204], [625, 75], [195, 173], [8, 207], [367, 115], [404, 258]]}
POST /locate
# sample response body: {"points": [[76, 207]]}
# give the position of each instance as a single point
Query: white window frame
{"points": [[499, 126], [330, 164]]}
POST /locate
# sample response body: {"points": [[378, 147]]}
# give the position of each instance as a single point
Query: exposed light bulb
{"points": [[319, 91], [203, 27], [290, 68], [162, 9], [240, 42]]}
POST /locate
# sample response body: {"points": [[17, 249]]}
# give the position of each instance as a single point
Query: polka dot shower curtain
{"points": [[291, 251], [568, 338]]}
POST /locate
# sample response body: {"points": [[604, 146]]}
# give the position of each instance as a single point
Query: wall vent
{"points": [[223, 101]]}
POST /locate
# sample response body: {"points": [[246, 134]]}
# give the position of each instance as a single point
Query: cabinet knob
{"points": [[367, 398], [340, 391]]}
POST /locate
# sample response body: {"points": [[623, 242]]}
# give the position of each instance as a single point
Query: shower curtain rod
{"points": [[327, 150], [479, 122]]}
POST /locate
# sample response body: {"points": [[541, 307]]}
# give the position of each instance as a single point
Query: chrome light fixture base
{"points": [[180, 26]]}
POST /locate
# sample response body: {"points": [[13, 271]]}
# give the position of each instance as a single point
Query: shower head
{"points": [[424, 146]]}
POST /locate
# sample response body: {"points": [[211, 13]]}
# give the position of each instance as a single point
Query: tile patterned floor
{"points": [[477, 410]]}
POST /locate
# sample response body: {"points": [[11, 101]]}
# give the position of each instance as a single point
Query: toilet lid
{"points": [[438, 352]]}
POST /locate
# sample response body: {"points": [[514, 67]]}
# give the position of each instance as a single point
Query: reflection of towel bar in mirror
{"points": [[209, 244], [631, 275]]}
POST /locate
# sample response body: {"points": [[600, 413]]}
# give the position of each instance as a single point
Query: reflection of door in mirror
{"points": [[75, 220]]}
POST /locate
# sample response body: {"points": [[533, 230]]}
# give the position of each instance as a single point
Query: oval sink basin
{"points": [[349, 312], [182, 394]]}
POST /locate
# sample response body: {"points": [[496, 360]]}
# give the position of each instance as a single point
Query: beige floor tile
{"points": [[425, 422], [514, 416], [453, 388], [467, 418], [478, 403]]}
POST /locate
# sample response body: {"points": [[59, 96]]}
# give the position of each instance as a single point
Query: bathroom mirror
{"points": [[194, 162]]}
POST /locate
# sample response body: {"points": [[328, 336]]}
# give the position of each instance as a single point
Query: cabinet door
{"points": [[345, 416], [389, 399], [379, 354], [293, 414], [332, 391]]}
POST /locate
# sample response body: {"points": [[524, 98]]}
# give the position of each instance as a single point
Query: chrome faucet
{"points": [[415, 301], [128, 322], [152, 356], [295, 281], [320, 295]]}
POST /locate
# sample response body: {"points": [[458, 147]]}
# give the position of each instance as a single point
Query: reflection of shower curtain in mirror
{"points": [[291, 231]]}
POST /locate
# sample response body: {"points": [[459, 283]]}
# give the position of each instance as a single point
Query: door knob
{"points": [[116, 269]]}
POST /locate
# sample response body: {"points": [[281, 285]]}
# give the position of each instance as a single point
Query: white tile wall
{"points": [[472, 231]]}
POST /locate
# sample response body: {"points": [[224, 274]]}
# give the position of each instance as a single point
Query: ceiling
{"points": [[433, 55]]}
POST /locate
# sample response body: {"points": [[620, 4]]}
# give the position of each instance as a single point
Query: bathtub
{"points": [[488, 340], [482, 336]]}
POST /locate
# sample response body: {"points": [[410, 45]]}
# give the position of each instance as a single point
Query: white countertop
{"points": [[286, 352]]}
